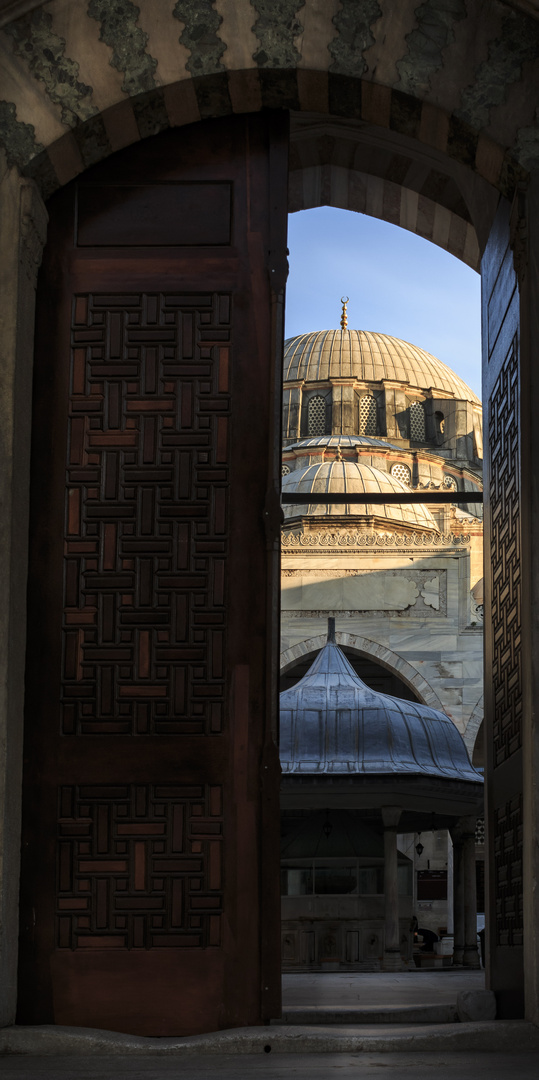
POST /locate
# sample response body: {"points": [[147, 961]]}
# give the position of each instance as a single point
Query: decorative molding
{"points": [[33, 230], [326, 539], [338, 613]]}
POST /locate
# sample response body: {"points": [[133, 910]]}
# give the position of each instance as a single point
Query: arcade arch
{"points": [[353, 645]]}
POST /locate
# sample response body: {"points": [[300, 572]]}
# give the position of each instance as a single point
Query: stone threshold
{"points": [[498, 1035], [369, 1014]]}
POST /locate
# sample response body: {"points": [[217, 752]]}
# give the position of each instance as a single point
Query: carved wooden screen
{"points": [[151, 767], [503, 617]]}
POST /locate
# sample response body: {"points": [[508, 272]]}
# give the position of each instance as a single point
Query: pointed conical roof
{"points": [[331, 722]]}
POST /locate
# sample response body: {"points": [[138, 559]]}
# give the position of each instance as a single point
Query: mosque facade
{"points": [[367, 413]]}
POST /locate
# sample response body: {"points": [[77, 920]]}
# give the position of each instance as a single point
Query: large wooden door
{"points": [[505, 642], [150, 899]]}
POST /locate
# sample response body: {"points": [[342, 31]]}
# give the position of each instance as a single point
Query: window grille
{"points": [[480, 831], [367, 416], [401, 472], [450, 483], [417, 421], [316, 416], [285, 469]]}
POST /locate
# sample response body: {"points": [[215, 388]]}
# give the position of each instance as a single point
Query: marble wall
{"points": [[407, 606]]}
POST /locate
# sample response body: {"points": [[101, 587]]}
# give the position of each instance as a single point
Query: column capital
{"points": [[463, 829], [391, 816]]}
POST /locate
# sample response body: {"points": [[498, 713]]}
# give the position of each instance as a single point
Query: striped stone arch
{"points": [[473, 725], [431, 111], [379, 653]]}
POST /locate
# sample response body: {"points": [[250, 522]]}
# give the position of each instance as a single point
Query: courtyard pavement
{"points": [[380, 989], [455, 1065], [419, 987]]}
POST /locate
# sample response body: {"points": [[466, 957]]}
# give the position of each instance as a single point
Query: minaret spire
{"points": [[331, 632], [344, 316]]}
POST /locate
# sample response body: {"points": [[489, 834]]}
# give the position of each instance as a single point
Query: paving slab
{"points": [[375, 1014], [365, 1066], [417, 987]]}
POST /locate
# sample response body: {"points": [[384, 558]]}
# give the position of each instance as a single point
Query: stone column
{"points": [[471, 955], [458, 894], [23, 222], [392, 951]]}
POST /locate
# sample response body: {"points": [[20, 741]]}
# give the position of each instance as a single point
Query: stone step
{"points": [[492, 1036], [344, 1015]]}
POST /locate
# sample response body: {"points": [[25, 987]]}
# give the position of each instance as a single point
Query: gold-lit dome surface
{"points": [[368, 357], [358, 478]]}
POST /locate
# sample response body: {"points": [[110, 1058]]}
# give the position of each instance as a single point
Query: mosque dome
{"points": [[356, 477], [331, 722], [369, 357]]}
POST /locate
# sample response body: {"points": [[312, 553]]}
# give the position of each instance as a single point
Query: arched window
{"points": [[316, 415], [367, 415], [440, 423], [401, 472], [450, 483], [417, 421]]}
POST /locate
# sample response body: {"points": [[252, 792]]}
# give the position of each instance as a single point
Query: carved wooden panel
{"points": [[146, 522], [139, 866], [508, 872], [505, 559]]}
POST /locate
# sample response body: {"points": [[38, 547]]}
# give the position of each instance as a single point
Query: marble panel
{"points": [[361, 592]]}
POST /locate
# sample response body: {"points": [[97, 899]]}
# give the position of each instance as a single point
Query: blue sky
{"points": [[397, 282]]}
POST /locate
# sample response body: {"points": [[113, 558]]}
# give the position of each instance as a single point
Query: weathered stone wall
{"points": [[396, 606]]}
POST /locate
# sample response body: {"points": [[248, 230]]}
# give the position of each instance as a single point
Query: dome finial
{"points": [[331, 632], [344, 317]]}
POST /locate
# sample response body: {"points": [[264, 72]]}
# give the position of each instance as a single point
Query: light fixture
{"points": [[420, 849]]}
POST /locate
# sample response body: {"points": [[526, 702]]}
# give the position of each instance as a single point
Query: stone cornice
{"points": [[355, 540]]}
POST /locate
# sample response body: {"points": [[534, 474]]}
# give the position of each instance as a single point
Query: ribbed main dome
{"points": [[331, 722], [358, 477], [368, 357]]}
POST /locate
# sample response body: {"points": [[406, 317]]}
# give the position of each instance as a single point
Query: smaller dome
{"points": [[478, 591], [331, 722], [345, 442], [354, 477]]}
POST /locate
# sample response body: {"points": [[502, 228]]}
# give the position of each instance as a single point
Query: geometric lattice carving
{"points": [[146, 515], [367, 415], [417, 421], [480, 831], [401, 472], [139, 866], [450, 483], [505, 559], [285, 469], [508, 872], [316, 415]]}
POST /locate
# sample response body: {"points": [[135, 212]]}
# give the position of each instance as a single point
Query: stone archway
{"points": [[473, 725], [382, 655], [119, 74]]}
